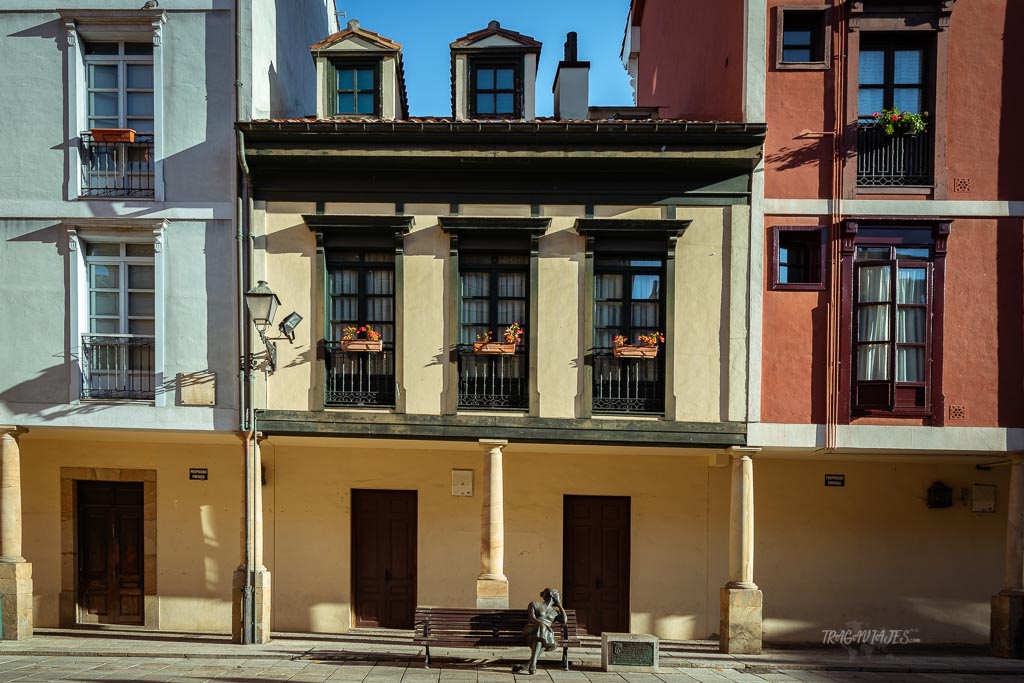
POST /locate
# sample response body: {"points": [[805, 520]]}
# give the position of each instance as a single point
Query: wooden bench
{"points": [[449, 627]]}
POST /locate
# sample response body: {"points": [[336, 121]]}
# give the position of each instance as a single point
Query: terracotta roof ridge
{"points": [[494, 28], [356, 31]]}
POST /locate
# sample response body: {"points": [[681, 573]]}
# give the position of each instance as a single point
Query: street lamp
{"points": [[262, 304]]}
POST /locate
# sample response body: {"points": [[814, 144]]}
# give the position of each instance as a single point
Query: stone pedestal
{"points": [[492, 593], [629, 652], [262, 590], [16, 600], [740, 626], [1007, 635]]}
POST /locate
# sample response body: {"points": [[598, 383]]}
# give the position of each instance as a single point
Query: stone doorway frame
{"points": [[68, 615]]}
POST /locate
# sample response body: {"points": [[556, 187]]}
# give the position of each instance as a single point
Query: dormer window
{"points": [[359, 73], [494, 74], [357, 89], [494, 90]]}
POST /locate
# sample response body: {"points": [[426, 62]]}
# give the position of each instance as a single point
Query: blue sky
{"points": [[426, 27]]}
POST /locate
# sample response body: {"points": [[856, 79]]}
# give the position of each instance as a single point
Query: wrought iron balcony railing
{"points": [[359, 378], [118, 367], [628, 385], [493, 381], [892, 160], [117, 169]]}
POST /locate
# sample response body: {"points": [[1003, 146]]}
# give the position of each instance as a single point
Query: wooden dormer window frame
{"points": [[337, 64], [494, 62]]}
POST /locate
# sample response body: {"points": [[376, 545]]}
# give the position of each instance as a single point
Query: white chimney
{"points": [[572, 84]]}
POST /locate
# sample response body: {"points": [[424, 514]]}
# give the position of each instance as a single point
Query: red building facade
{"points": [[887, 284]]}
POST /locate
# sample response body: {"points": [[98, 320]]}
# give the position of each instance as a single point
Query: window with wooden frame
{"points": [[629, 300], [494, 292], [361, 298], [496, 89], [798, 257], [803, 38], [357, 86], [892, 73], [893, 294]]}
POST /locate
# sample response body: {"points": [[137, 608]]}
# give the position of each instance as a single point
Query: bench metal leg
{"points": [[565, 659], [426, 663]]}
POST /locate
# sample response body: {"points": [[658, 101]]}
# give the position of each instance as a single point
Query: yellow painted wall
{"points": [[872, 552], [703, 379], [198, 522], [308, 516]]}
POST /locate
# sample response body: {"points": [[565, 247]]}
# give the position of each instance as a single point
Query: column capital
{"points": [[739, 452], [13, 430], [491, 444]]}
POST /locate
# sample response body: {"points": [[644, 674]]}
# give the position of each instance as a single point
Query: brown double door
{"points": [[384, 558], [110, 552], [596, 562]]}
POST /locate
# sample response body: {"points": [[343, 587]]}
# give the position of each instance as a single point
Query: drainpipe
{"points": [[833, 378], [245, 394]]}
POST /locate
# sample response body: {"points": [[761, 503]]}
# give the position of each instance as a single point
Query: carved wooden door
{"points": [[110, 552], [596, 562], [384, 558]]}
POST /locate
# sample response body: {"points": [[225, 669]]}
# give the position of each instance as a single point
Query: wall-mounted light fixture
{"points": [[262, 304]]}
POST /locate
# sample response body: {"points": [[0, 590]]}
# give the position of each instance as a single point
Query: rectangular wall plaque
{"points": [[198, 473], [835, 480], [629, 652]]}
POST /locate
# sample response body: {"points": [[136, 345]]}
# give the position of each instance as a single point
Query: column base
{"points": [[1007, 626], [492, 593], [740, 626], [262, 589], [16, 600]]}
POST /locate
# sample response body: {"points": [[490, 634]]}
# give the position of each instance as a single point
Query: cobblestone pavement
{"points": [[237, 670]]}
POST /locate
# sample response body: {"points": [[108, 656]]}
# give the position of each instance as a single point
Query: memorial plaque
{"points": [[629, 652], [633, 654]]}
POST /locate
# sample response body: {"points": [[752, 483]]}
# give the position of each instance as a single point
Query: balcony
{"points": [[892, 160], [628, 385], [493, 381], [118, 367], [117, 169], [359, 379]]}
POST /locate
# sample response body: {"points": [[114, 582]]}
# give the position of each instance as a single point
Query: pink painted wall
{"points": [[691, 59]]}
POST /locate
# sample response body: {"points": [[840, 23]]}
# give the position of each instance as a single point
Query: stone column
{"points": [[740, 627], [492, 584], [1007, 627], [15, 572]]}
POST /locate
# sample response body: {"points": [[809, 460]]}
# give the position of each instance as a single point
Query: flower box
{"points": [[363, 345], [635, 351], [112, 134], [494, 348]]}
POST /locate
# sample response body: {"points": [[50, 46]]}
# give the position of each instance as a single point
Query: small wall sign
{"points": [[835, 480], [198, 473]]}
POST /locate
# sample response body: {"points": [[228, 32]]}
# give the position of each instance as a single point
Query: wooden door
{"points": [[384, 558], [110, 555], [596, 562]]}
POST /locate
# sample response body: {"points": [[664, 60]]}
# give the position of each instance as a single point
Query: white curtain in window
{"points": [[873, 323], [910, 364], [873, 362]]}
